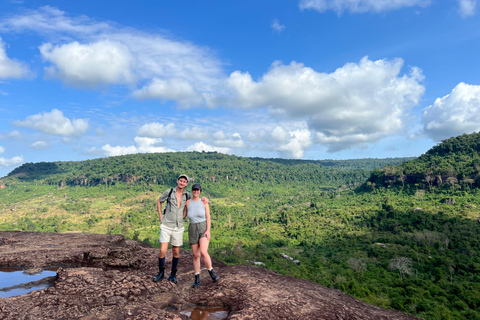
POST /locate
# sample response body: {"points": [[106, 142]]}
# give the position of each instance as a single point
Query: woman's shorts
{"points": [[196, 231], [176, 234]]}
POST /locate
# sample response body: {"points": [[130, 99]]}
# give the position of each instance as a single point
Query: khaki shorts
{"points": [[176, 234], [196, 231]]}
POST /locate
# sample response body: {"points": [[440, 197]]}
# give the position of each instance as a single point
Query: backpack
{"points": [[168, 201]]}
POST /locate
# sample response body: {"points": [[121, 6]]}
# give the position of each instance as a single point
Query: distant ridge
{"points": [[163, 168], [455, 158]]}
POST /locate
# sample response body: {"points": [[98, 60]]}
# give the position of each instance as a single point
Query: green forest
{"points": [[399, 233]]}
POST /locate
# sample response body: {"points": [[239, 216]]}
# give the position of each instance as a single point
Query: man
{"points": [[172, 226]]}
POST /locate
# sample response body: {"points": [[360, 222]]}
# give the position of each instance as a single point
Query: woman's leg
{"points": [[206, 258], [196, 257], [203, 244]]}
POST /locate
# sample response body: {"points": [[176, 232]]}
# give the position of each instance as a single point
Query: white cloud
{"points": [[15, 135], [454, 114], [157, 130], [257, 136], [179, 90], [90, 65], [467, 7], [142, 145], [366, 100], [10, 162], [2, 149], [195, 133], [54, 122], [290, 143], [81, 57], [150, 145], [11, 68], [39, 145], [50, 20], [298, 142], [276, 26], [279, 134], [200, 146], [361, 6], [118, 150], [233, 140]]}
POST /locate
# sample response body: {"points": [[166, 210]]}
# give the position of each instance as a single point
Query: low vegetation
{"points": [[401, 243]]}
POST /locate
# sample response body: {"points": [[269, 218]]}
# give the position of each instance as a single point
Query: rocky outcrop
{"points": [[108, 277]]}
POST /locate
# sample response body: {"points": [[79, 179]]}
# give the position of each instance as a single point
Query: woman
{"points": [[198, 213]]}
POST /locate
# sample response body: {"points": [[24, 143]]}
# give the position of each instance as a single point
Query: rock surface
{"points": [[108, 277]]}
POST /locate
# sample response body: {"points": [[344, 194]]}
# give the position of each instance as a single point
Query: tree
{"points": [[402, 264], [452, 181], [359, 265]]}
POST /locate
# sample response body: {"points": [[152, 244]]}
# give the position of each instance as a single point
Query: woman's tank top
{"points": [[196, 211]]}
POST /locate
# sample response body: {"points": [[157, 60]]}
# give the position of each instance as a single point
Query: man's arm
{"points": [[161, 200], [159, 208]]}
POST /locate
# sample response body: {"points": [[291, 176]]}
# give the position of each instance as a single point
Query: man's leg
{"points": [[161, 262], [175, 258]]}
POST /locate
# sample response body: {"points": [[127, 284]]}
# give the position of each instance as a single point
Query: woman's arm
{"points": [[207, 215]]}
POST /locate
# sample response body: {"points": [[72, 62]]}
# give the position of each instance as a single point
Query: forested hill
{"points": [[453, 161], [205, 167], [365, 164], [403, 247]]}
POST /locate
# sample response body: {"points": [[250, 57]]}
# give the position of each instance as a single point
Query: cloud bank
{"points": [[361, 6], [358, 103], [107, 54], [9, 68], [467, 7], [54, 122], [454, 114]]}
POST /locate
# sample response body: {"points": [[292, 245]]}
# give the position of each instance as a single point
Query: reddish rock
{"points": [[108, 277]]}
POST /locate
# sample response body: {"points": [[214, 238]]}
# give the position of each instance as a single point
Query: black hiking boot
{"points": [[172, 277], [197, 282], [160, 276], [213, 275]]}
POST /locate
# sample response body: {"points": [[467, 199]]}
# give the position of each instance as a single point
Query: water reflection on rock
{"points": [[206, 313], [15, 281]]}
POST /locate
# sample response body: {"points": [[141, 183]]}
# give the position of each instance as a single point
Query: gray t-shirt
{"points": [[196, 211], [174, 215]]}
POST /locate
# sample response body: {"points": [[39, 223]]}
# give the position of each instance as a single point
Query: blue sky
{"points": [[306, 79]]}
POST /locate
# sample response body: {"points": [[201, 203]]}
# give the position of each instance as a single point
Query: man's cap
{"points": [[183, 176], [197, 186]]}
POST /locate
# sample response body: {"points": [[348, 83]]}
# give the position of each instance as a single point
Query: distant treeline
{"points": [[207, 167]]}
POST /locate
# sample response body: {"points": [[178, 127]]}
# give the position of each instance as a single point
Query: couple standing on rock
{"points": [[180, 205]]}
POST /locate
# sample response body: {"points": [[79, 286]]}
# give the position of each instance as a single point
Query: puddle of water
{"points": [[206, 313], [15, 282]]}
